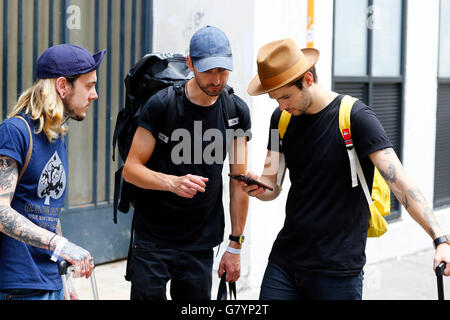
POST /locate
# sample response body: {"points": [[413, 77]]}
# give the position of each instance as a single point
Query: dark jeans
{"points": [[152, 266], [279, 284]]}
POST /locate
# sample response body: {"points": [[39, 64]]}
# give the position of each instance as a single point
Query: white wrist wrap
{"points": [[61, 243], [233, 250]]}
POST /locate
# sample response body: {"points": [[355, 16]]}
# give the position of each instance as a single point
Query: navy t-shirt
{"points": [[326, 223], [197, 146], [39, 196]]}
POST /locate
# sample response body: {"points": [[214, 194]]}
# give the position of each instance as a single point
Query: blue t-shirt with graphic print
{"points": [[39, 196]]}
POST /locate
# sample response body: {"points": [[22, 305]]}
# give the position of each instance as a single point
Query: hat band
{"points": [[286, 75]]}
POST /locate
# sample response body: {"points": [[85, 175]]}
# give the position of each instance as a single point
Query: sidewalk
{"points": [[405, 278]]}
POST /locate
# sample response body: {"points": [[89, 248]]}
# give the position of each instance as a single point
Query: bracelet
{"points": [[233, 250], [59, 246], [51, 242]]}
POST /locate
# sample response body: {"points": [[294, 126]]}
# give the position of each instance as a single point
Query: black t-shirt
{"points": [[164, 217], [326, 223]]}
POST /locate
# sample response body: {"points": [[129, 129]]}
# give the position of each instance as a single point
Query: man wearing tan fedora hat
{"points": [[320, 251]]}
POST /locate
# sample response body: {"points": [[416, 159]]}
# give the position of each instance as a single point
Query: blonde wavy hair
{"points": [[42, 102]]}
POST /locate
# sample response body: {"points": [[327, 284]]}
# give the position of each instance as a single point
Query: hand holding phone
{"points": [[249, 181]]}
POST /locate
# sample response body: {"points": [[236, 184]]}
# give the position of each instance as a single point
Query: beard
{"points": [[75, 116], [211, 93], [69, 112]]}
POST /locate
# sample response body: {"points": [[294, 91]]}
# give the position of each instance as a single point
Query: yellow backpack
{"points": [[379, 199]]}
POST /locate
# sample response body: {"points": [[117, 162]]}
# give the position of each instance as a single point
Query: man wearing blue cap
{"points": [[33, 175], [179, 218]]}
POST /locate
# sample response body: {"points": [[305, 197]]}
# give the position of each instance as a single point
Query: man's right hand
{"points": [[80, 258], [253, 189], [187, 186]]}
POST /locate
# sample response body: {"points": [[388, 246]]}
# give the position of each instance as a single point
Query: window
{"points": [[369, 61], [442, 160]]}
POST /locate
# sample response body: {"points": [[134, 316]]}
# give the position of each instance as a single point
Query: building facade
{"points": [[391, 54]]}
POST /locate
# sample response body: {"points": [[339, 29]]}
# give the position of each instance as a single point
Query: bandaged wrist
{"points": [[233, 250], [59, 246]]}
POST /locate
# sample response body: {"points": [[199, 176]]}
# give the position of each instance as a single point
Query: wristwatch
{"points": [[239, 239], [440, 240]]}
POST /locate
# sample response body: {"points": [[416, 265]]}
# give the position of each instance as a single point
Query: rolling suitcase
{"points": [[440, 282], [64, 268]]}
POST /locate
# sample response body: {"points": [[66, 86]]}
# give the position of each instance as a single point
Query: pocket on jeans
{"points": [[146, 246]]}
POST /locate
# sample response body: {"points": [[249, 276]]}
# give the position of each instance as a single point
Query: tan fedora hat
{"points": [[279, 63]]}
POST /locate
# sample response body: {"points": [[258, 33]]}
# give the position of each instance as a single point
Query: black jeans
{"points": [[152, 266]]}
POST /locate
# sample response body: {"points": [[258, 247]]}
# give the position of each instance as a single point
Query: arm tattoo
{"points": [[389, 174], [431, 220], [8, 173], [388, 151], [13, 223], [405, 202], [416, 195], [20, 228]]}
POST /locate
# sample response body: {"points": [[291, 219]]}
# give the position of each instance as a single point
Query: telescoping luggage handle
{"points": [[63, 267], [440, 282]]}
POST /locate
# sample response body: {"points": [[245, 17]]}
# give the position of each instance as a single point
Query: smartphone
{"points": [[249, 181]]}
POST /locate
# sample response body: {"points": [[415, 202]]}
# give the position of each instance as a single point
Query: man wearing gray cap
{"points": [[179, 217], [33, 175]]}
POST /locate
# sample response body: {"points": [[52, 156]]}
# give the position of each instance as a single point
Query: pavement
{"points": [[403, 278]]}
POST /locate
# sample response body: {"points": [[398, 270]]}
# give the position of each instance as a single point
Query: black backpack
{"points": [[150, 75]]}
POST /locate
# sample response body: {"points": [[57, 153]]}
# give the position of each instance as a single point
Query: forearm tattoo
{"points": [[13, 223], [407, 192], [20, 228], [390, 173]]}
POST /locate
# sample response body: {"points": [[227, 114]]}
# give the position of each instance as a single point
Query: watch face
{"points": [[241, 239]]}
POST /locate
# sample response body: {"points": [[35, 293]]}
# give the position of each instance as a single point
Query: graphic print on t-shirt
{"points": [[52, 182]]}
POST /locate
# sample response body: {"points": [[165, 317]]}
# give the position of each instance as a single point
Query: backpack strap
{"points": [[283, 123], [229, 107], [345, 110], [174, 102], [344, 127], [30, 149]]}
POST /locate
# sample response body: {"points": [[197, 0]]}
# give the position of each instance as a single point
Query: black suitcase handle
{"points": [[440, 282], [222, 291], [62, 267]]}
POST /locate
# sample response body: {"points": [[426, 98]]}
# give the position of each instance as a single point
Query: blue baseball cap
{"points": [[209, 48], [67, 60]]}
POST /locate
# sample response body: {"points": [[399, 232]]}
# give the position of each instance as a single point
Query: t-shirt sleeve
{"points": [[14, 140], [245, 123], [367, 132], [274, 135], [152, 114]]}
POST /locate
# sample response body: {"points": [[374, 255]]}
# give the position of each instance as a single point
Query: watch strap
{"points": [[238, 239], [440, 240]]}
